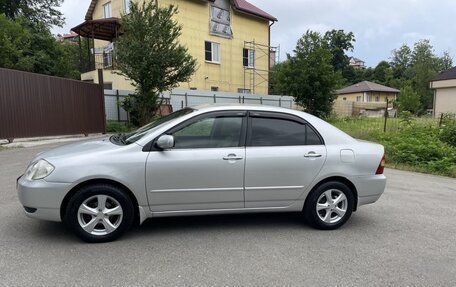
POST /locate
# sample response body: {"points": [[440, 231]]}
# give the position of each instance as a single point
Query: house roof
{"points": [[446, 75], [246, 7], [356, 59], [239, 5], [366, 86], [71, 35], [102, 29]]}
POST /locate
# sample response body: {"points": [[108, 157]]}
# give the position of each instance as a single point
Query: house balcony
{"points": [[95, 55], [93, 58], [105, 61]]}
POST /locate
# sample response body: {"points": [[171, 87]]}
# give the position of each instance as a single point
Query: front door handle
{"points": [[232, 156], [312, 154]]}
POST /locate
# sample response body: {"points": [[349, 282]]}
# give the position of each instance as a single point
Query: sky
{"points": [[379, 26]]}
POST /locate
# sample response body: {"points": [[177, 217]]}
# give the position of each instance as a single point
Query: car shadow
{"points": [[45, 231], [260, 221]]}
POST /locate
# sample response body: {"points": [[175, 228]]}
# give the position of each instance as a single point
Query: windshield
{"points": [[139, 133]]}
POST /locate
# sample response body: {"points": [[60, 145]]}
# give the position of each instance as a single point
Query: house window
{"points": [[368, 98], [107, 86], [358, 98], [127, 4], [244, 91], [220, 22], [212, 52], [107, 60], [377, 99], [248, 58], [107, 12], [107, 55], [214, 89]]}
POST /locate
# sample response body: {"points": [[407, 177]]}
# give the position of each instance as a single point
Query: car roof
{"points": [[234, 106]]}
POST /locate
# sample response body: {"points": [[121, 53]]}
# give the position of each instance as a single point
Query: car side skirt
{"points": [[295, 207]]}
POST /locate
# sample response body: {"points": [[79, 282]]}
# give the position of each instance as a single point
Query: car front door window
{"points": [[212, 132]]}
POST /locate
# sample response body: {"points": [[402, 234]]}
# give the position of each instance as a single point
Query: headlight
{"points": [[39, 170]]}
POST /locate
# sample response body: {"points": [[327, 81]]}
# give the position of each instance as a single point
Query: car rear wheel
{"points": [[99, 213], [329, 206]]}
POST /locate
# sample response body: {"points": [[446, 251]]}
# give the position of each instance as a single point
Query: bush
{"points": [[421, 148], [448, 119], [406, 117], [448, 135], [416, 144]]}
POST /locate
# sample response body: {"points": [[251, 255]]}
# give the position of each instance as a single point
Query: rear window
{"points": [[281, 132]]}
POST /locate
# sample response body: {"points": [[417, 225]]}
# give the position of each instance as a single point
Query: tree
{"points": [[445, 62], [424, 67], [309, 75], [149, 54], [416, 68], [409, 100], [383, 73], [401, 61], [339, 42], [35, 11], [23, 48]]}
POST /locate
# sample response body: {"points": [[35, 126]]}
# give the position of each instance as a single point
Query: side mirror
{"points": [[165, 142]]}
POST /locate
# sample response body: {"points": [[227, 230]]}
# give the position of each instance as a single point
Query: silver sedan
{"points": [[205, 160]]}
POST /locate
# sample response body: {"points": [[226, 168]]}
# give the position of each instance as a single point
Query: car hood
{"points": [[86, 147]]}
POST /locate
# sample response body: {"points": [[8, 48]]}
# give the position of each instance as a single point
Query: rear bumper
{"points": [[42, 199], [369, 188]]}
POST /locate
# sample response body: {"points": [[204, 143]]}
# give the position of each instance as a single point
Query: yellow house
{"points": [[229, 38], [367, 92], [444, 86]]}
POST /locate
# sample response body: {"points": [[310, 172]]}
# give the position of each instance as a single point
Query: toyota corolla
{"points": [[205, 160]]}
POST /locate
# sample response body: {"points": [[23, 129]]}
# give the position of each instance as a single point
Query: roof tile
{"points": [[446, 75], [246, 7], [366, 86]]}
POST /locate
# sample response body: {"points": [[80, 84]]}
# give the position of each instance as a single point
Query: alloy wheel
{"points": [[100, 215], [331, 206]]}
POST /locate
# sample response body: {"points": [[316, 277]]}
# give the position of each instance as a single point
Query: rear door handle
{"points": [[312, 154], [232, 156]]}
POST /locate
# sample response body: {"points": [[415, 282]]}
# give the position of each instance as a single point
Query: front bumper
{"points": [[45, 197], [369, 188]]}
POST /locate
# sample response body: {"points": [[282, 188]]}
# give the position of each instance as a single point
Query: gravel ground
{"points": [[407, 238]]}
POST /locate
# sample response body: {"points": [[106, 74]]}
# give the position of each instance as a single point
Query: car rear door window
{"points": [[266, 131]]}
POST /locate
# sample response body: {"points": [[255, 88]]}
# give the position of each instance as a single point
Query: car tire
{"points": [[99, 213], [329, 206]]}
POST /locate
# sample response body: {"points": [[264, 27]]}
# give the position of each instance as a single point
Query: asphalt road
{"points": [[407, 238]]}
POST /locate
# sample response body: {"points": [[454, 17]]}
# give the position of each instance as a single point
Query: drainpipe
{"points": [[269, 43], [269, 56]]}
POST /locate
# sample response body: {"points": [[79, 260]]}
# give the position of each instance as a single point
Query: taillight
{"points": [[381, 166]]}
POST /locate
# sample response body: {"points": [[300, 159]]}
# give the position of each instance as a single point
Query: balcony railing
{"points": [[98, 61]]}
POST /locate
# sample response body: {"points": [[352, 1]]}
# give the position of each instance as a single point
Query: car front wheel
{"points": [[99, 213], [329, 206]]}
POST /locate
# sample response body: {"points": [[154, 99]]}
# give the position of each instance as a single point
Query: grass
{"points": [[366, 127], [412, 145]]}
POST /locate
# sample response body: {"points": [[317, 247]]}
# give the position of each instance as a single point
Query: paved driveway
{"points": [[408, 238]]}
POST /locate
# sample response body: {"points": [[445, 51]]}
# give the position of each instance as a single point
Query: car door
{"points": [[283, 156], [204, 170]]}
